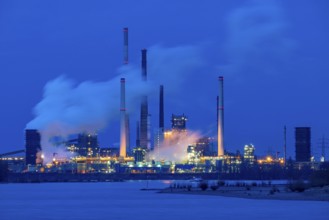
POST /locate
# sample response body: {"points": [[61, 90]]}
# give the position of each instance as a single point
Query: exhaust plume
{"points": [[69, 108], [174, 146]]}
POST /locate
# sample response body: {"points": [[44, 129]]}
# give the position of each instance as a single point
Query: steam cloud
{"points": [[69, 107], [174, 148]]}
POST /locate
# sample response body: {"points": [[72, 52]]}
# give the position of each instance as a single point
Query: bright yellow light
{"points": [[269, 159]]}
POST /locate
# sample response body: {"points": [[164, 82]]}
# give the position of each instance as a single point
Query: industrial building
{"points": [[303, 144], [32, 146], [87, 145], [178, 123], [249, 154]]}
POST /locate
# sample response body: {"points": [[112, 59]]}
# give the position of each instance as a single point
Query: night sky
{"points": [[273, 56]]}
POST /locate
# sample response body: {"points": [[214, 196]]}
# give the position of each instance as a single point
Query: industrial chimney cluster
{"points": [[86, 145], [143, 139]]}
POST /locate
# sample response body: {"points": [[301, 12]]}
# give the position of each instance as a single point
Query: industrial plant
{"points": [[174, 150]]}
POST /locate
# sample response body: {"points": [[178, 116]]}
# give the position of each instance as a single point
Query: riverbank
{"points": [[260, 192]]}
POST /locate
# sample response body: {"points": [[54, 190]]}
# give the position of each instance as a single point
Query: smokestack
{"points": [[138, 143], [285, 144], [125, 62], [144, 142], [149, 132], [161, 110], [125, 45], [144, 65], [123, 135], [127, 132], [220, 115], [217, 108]]}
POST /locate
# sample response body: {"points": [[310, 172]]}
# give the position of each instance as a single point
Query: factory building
{"points": [[109, 152], [87, 145], [139, 154], [205, 146], [178, 123], [32, 146], [303, 144], [249, 154]]}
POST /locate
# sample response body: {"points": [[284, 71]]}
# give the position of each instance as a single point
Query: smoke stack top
{"points": [[125, 45], [144, 64]]}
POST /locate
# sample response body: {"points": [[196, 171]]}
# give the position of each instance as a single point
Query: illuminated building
{"points": [[139, 154], [15, 164], [249, 154], [88, 145], [193, 156], [109, 152], [205, 146], [303, 144], [178, 123], [72, 147], [32, 146], [230, 163]]}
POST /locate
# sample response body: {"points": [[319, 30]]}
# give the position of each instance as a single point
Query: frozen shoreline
{"points": [[257, 192]]}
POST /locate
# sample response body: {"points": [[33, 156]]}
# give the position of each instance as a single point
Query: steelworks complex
{"points": [[203, 155]]}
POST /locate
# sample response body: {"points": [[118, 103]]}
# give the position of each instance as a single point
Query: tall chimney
{"points": [[285, 145], [125, 45], [220, 115], [144, 142], [127, 124], [125, 62], [161, 110], [138, 142], [144, 64], [123, 135]]}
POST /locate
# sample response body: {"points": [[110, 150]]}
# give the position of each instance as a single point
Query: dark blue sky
{"points": [[274, 57]]}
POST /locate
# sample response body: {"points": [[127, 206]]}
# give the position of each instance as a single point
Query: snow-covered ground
{"points": [[125, 200]]}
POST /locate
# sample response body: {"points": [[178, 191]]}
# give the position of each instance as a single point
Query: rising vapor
{"points": [[174, 147], [69, 107]]}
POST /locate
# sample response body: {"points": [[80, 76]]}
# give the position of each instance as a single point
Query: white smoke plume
{"points": [[69, 107], [174, 147]]}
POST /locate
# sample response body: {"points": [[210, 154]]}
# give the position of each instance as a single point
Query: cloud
{"points": [[257, 39]]}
